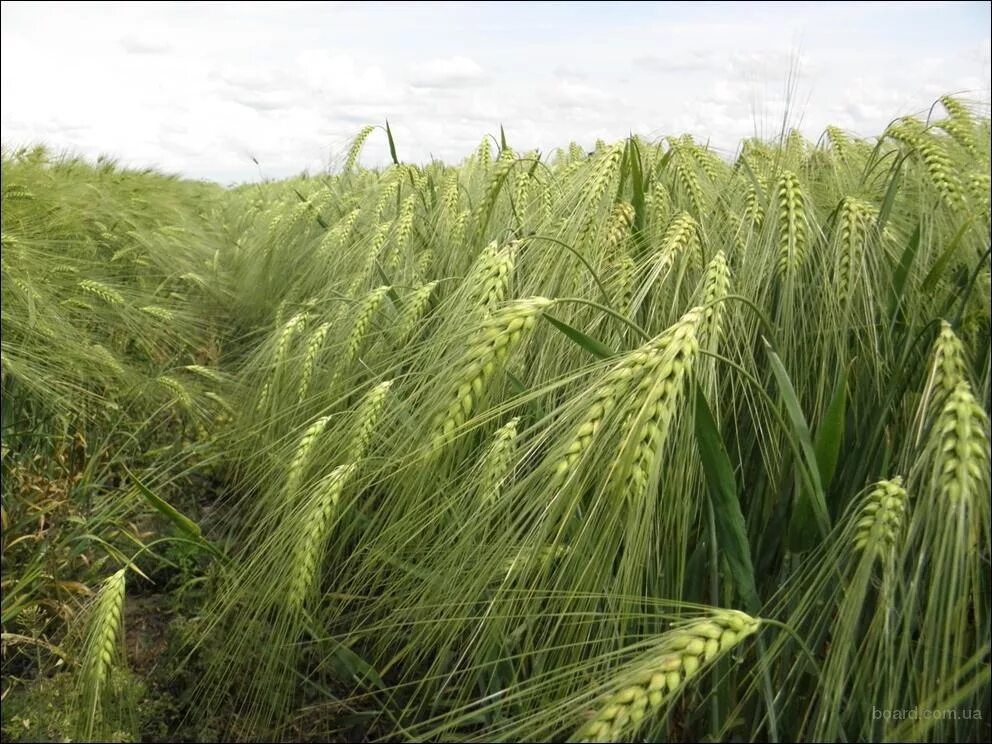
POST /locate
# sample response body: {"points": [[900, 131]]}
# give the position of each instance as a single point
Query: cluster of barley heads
{"points": [[642, 442]]}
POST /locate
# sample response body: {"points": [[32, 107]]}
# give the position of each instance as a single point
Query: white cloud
{"points": [[144, 43], [202, 90], [452, 72]]}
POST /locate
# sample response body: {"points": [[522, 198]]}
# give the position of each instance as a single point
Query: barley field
{"points": [[643, 443]]}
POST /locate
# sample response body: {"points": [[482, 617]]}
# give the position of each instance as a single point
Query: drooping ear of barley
{"points": [[716, 286], [929, 150], [948, 368], [404, 226], [103, 642], [626, 374], [838, 142], [363, 318], [301, 456], [490, 277], [338, 235], [314, 345], [619, 260], [962, 447], [98, 289], [367, 419], [356, 148], [316, 517], [852, 235], [950, 527], [680, 655], [488, 348], [159, 312], [960, 125], [497, 462], [487, 204], [413, 311], [655, 401], [881, 517], [754, 213], [177, 389], [424, 263], [388, 193], [792, 227], [293, 326], [604, 173], [687, 180], [521, 195], [483, 155]]}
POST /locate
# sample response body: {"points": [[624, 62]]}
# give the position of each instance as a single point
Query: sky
{"points": [[206, 89]]}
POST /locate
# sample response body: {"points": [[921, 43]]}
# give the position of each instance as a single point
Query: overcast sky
{"points": [[200, 89]]}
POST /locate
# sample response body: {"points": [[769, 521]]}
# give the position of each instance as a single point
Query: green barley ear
{"points": [[293, 326], [681, 654], [947, 369], [367, 419], [404, 226], [316, 518], [413, 311], [604, 173], [356, 337], [177, 389], [615, 387], [386, 197], [688, 181], [961, 445], [488, 349], [655, 401], [489, 280], [301, 456], [498, 460], [881, 517], [617, 254], [103, 649], [356, 148], [98, 289], [852, 236], [754, 213], [314, 344], [959, 125], [716, 286], [792, 228]]}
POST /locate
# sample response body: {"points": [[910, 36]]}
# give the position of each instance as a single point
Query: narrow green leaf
{"points": [[731, 529], [810, 518], [637, 189], [597, 348], [901, 274], [392, 144], [940, 265], [831, 431], [184, 523], [502, 139], [890, 193]]}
